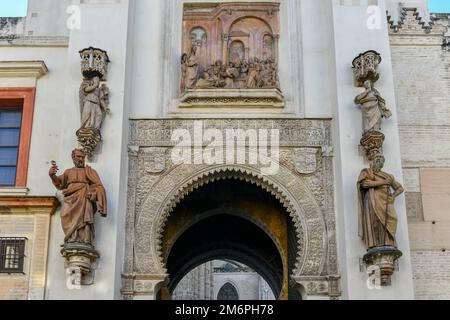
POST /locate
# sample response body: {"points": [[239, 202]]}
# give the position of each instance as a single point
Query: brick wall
{"points": [[16, 287], [32, 221], [421, 65], [431, 274]]}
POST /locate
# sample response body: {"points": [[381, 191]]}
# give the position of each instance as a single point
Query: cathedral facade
{"points": [[307, 142]]}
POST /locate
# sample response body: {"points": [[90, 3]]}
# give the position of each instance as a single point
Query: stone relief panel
{"points": [[230, 46], [307, 198]]}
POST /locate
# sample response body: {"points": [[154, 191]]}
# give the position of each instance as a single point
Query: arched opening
{"points": [[231, 220], [199, 38], [252, 32], [237, 52], [228, 292], [209, 280]]}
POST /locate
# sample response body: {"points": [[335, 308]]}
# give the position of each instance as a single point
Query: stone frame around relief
{"points": [[227, 58], [290, 62]]}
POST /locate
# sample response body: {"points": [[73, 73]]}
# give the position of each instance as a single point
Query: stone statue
{"points": [[94, 101], [377, 216], [94, 98], [191, 69], [84, 195], [238, 74], [373, 107]]}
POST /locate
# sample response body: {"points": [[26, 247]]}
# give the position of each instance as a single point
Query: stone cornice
{"points": [[11, 205], [27, 69]]}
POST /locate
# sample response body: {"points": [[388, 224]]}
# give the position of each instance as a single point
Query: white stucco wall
{"points": [[48, 110], [104, 26]]}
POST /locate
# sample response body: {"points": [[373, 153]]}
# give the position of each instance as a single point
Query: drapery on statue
{"points": [[189, 69], [84, 195], [94, 101], [373, 107], [377, 215]]}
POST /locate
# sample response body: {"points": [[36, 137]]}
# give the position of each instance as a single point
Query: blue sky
{"points": [[437, 6], [14, 8], [18, 8]]}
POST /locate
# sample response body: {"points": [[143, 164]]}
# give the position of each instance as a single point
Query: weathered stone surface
{"points": [[414, 207], [436, 194], [411, 179]]}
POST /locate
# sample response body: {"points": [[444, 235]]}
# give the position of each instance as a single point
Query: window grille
{"points": [[12, 255]]}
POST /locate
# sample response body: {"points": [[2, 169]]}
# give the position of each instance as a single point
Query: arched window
{"points": [[237, 51], [199, 37], [268, 46], [228, 293]]}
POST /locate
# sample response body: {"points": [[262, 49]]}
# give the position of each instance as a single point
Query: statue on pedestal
{"points": [[94, 98], [377, 193], [84, 196]]}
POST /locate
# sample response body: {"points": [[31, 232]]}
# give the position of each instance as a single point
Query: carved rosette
{"points": [[384, 260], [365, 67], [80, 261]]}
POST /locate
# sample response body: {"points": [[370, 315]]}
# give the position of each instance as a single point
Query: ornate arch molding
{"points": [[182, 180]]}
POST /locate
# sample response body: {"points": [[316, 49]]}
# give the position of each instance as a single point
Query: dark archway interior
{"points": [[226, 237], [227, 233]]}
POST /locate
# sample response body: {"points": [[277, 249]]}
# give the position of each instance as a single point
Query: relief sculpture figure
{"points": [[373, 107]]}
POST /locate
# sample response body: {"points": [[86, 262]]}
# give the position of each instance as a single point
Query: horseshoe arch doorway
{"points": [[231, 219]]}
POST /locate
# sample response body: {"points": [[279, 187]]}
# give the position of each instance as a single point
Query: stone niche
{"points": [[230, 55]]}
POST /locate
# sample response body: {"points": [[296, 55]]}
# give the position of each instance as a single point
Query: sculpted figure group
{"points": [[237, 74]]}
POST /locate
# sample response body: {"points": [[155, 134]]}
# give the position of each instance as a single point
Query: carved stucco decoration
{"points": [[155, 159], [180, 181], [305, 160], [309, 199]]}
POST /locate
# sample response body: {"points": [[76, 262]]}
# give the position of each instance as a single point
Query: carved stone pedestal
{"points": [[89, 140], [80, 261], [372, 142], [384, 260], [232, 98], [365, 67]]}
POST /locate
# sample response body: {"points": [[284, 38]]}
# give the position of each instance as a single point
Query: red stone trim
{"points": [[27, 98], [30, 202]]}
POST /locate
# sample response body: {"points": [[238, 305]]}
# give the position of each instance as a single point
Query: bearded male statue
{"points": [[84, 195]]}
